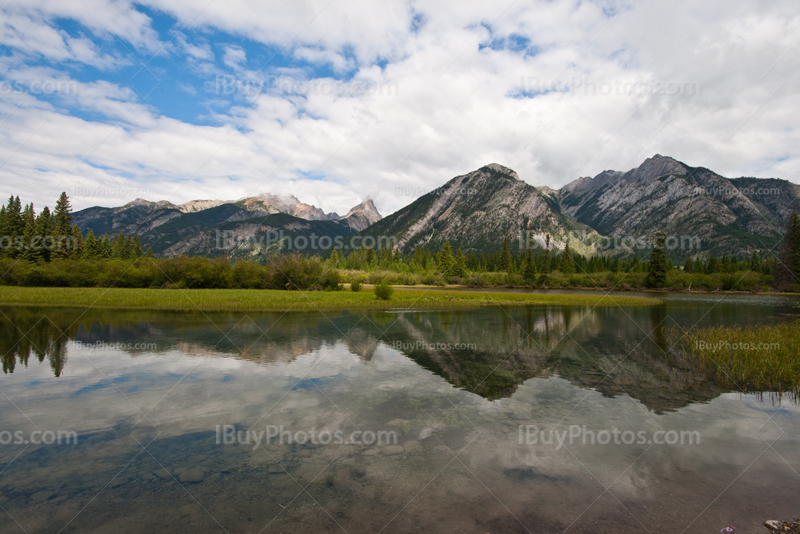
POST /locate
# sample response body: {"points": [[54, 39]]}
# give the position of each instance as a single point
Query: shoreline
{"points": [[280, 300]]}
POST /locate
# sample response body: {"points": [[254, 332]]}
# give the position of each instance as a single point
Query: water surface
{"points": [[148, 396]]}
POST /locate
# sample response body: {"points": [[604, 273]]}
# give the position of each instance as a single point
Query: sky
{"points": [[337, 101]]}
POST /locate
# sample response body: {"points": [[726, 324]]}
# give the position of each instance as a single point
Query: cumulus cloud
{"points": [[555, 90]]}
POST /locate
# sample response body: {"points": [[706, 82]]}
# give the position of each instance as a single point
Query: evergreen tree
{"points": [[30, 244], [657, 275], [787, 271], [43, 231], [369, 256], [90, 247], [529, 273], [458, 264], [62, 227], [688, 267], [504, 260], [445, 259], [567, 264]]}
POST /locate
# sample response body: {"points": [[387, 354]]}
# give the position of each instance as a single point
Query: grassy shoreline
{"points": [[756, 358], [277, 300]]}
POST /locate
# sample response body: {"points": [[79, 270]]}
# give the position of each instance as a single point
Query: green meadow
{"points": [[279, 300]]}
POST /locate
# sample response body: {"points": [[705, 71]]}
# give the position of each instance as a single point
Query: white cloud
{"points": [[713, 85]]}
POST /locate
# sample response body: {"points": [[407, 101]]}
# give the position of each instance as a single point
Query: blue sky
{"points": [[336, 101]]}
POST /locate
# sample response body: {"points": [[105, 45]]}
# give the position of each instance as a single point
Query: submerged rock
{"points": [[191, 476], [791, 527], [392, 450]]}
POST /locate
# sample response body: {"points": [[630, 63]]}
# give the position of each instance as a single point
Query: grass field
{"points": [[273, 300], [765, 358]]}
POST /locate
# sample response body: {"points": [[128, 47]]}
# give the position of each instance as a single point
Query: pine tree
{"points": [[90, 247], [567, 264], [30, 245], [43, 223], [657, 275], [458, 264], [445, 259], [688, 266], [369, 256], [504, 260], [787, 272], [529, 273], [62, 227]]}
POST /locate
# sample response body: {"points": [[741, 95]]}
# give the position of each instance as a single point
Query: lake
{"points": [[513, 419]]}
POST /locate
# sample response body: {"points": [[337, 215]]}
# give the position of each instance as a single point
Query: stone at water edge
{"points": [[192, 475], [392, 449]]}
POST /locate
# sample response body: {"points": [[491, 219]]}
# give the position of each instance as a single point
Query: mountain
{"points": [[240, 228], [702, 211], [476, 212], [362, 216]]}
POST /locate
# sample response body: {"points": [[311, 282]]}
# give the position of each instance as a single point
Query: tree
{"points": [[529, 272], [504, 260], [90, 247], [369, 256], [445, 259], [787, 272], [457, 268], [657, 275], [30, 244], [567, 264], [688, 267], [62, 226]]}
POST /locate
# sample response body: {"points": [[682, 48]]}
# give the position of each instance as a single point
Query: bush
{"points": [[294, 271], [428, 279], [330, 281], [355, 286], [383, 290]]}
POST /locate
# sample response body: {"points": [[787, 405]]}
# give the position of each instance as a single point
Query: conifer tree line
{"points": [[49, 236], [45, 237]]}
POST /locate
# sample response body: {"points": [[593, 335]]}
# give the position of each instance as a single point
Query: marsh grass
{"points": [[754, 358], [278, 300]]}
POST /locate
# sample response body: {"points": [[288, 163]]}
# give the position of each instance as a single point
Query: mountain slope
{"points": [[693, 204], [241, 228], [476, 212]]}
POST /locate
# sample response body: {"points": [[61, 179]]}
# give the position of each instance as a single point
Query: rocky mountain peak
{"points": [[501, 169], [361, 216]]}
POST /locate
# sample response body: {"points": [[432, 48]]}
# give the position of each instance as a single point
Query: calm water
{"points": [[150, 398]]}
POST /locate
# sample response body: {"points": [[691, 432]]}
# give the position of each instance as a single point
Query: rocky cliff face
{"points": [[476, 212], [362, 216], [691, 203]]}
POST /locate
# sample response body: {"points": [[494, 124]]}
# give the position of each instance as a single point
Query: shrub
{"points": [[428, 279], [355, 286], [383, 290], [330, 281], [294, 271]]}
